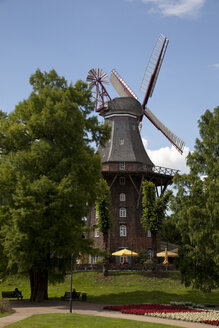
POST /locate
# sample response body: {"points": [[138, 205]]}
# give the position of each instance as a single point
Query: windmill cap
{"points": [[124, 105]]}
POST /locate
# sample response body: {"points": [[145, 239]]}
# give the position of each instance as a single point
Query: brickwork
{"points": [[125, 164], [136, 238]]}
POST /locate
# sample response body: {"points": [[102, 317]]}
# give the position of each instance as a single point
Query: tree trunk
{"points": [[154, 248], [39, 285], [105, 260], [105, 267]]}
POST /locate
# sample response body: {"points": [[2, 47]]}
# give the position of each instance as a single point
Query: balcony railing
{"points": [[164, 170]]}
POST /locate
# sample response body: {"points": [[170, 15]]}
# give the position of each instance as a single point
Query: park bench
{"points": [[75, 296], [12, 294]]}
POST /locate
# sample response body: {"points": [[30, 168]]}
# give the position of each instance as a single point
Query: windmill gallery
{"points": [[125, 162]]}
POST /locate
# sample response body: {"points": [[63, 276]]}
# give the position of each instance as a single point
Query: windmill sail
{"points": [[120, 85], [153, 68], [148, 84], [176, 141], [97, 78]]}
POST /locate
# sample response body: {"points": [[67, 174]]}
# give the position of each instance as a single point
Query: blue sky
{"points": [[73, 36]]}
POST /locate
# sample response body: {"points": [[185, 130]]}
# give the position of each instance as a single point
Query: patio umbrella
{"points": [[125, 252], [169, 254], [166, 257]]}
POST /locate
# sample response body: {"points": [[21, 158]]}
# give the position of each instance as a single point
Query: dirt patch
{"points": [[159, 274], [101, 277]]}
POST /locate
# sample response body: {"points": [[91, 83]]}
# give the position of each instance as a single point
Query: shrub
{"points": [[148, 264], [4, 306]]}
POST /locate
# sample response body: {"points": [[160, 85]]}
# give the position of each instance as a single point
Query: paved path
{"points": [[25, 309]]}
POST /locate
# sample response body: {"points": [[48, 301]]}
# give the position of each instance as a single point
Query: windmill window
{"points": [[122, 212], [122, 197], [96, 233], [123, 231], [122, 180], [121, 141], [122, 165], [148, 234]]}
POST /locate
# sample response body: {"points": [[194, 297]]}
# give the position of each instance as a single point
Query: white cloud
{"points": [[168, 157], [180, 8], [216, 65]]}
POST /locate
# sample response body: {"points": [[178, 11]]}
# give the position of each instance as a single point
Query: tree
{"points": [[169, 231], [196, 208], [48, 176], [153, 212], [104, 213]]}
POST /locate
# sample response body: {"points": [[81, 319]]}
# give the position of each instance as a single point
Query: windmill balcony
{"points": [[129, 167]]}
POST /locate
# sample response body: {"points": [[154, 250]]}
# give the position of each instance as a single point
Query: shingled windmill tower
{"points": [[125, 162]]}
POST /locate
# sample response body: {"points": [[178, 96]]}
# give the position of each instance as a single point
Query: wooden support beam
{"points": [[139, 194], [133, 184], [164, 188], [114, 179]]}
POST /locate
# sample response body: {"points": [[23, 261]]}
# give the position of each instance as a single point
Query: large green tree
{"points": [[48, 176], [104, 213], [169, 231], [196, 208], [154, 209]]}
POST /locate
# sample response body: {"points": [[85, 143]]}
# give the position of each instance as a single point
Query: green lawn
{"points": [[5, 314], [121, 288], [81, 321]]}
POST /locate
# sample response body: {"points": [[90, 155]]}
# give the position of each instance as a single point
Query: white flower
{"points": [[188, 316]]}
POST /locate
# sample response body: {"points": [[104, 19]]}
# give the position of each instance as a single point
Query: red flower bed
{"points": [[134, 311], [141, 309], [211, 322], [154, 307]]}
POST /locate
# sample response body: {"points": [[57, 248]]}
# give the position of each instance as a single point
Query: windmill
{"points": [[97, 78], [125, 162]]}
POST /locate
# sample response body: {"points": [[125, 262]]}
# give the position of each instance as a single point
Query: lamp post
{"points": [[71, 284]]}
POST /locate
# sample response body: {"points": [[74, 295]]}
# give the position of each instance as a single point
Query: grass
{"points": [[81, 321], [122, 288], [5, 314]]}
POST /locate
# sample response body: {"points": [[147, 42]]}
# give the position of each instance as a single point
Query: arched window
{"points": [[122, 197], [122, 212], [148, 234], [123, 231], [96, 233]]}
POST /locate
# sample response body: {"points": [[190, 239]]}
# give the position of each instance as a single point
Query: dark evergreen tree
{"points": [[169, 231]]}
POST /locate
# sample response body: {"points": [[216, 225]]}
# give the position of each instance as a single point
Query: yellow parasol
{"points": [[169, 254], [125, 252], [166, 257]]}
